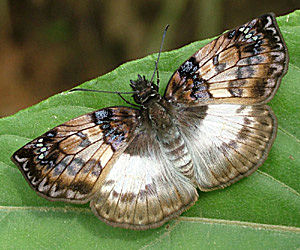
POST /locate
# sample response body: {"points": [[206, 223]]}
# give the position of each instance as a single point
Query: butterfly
{"points": [[140, 166]]}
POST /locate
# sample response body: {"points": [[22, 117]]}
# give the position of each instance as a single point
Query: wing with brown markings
{"points": [[243, 66], [67, 163]]}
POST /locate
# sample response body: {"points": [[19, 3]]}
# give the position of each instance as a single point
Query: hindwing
{"points": [[143, 189], [227, 142]]}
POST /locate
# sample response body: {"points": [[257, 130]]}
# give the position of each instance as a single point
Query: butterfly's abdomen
{"points": [[171, 141], [176, 151]]}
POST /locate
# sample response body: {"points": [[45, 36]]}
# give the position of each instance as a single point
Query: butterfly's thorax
{"points": [[158, 112]]}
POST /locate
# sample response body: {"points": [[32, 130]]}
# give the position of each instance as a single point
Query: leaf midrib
{"points": [[180, 218]]}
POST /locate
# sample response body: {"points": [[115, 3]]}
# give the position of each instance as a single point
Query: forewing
{"points": [[243, 66], [143, 190], [227, 142], [67, 162]]}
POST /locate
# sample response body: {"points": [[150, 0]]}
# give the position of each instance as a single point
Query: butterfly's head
{"points": [[145, 90]]}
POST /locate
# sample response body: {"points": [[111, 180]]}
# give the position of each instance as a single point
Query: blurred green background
{"points": [[51, 46]]}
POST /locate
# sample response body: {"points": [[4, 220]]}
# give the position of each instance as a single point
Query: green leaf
{"points": [[261, 211]]}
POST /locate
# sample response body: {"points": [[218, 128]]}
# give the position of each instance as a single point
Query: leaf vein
{"points": [[279, 182], [240, 223]]}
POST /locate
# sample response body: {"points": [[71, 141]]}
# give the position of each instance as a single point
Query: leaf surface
{"points": [[261, 211]]}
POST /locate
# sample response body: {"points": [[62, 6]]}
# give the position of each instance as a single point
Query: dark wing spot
{"points": [[81, 187], [85, 140], [85, 143], [97, 169], [259, 89], [216, 60], [115, 194], [220, 67], [236, 92], [200, 95], [127, 197], [51, 133], [102, 115], [58, 169], [233, 144], [240, 109], [105, 126], [243, 133], [253, 48], [231, 34], [247, 121], [189, 68]]}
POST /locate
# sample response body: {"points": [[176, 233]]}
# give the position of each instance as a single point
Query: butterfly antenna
{"points": [[104, 91], [161, 45]]}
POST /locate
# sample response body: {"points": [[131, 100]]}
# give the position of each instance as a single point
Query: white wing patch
{"points": [[229, 143], [143, 191]]}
